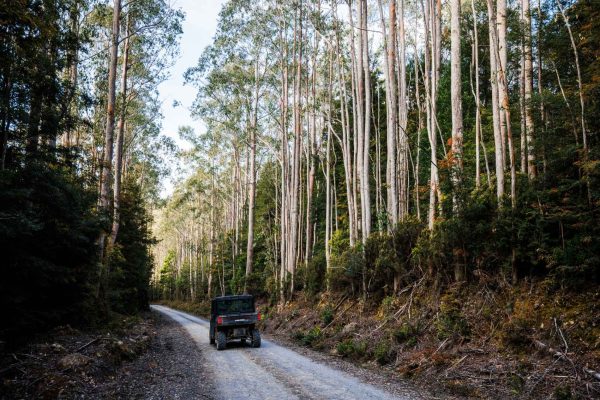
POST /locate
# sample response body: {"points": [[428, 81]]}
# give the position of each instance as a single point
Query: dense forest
{"points": [[359, 147], [415, 159], [81, 157]]}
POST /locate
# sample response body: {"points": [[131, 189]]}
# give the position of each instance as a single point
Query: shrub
{"points": [[383, 354], [351, 348], [327, 315], [345, 348], [450, 320], [315, 274], [407, 334], [310, 337], [345, 272]]}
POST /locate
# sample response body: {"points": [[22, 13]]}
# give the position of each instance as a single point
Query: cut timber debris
{"points": [[541, 346], [592, 373]]}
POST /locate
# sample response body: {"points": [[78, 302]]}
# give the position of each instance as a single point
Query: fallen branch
{"points": [[298, 321], [455, 364], [440, 347], [541, 346], [339, 303], [592, 373], [339, 315], [91, 342]]}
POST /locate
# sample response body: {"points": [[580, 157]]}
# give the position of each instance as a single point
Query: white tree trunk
{"points": [[456, 99]]}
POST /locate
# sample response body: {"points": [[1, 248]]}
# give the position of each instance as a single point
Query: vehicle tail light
{"points": [[259, 316], [219, 320]]}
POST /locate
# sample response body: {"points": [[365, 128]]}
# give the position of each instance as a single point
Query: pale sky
{"points": [[199, 28]]}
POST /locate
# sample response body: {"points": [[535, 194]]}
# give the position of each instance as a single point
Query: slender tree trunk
{"points": [[347, 151], [456, 100], [479, 143], [296, 155], [211, 245], [365, 186], [419, 130], [498, 147], [284, 168], [523, 152], [579, 81], [540, 86], [457, 122], [118, 163], [501, 61], [328, 181], [564, 96], [528, 86], [391, 102], [403, 148], [432, 20], [252, 177], [312, 150], [504, 99], [356, 57], [106, 168], [110, 110]]}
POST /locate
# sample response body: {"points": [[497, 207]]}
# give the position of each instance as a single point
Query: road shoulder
{"points": [[151, 358]]}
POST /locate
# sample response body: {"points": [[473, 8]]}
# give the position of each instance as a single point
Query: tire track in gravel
{"points": [[272, 371]]}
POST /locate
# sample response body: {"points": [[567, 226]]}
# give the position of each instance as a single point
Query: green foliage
{"points": [[327, 315], [316, 274], [351, 348], [131, 261], [345, 271], [49, 255], [383, 353], [407, 334], [381, 262], [450, 321], [310, 337]]}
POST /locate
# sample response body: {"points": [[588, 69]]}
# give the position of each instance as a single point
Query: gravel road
{"points": [[273, 371]]}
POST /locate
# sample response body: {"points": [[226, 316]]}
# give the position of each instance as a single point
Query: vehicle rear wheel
{"points": [[221, 340], [211, 337], [243, 341], [255, 338]]}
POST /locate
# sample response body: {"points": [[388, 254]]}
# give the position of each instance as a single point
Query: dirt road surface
{"points": [[275, 372]]}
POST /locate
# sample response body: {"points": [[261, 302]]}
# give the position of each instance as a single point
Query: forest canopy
{"points": [[350, 147], [81, 157], [360, 146]]}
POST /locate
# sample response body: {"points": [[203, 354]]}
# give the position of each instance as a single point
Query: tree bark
{"points": [[528, 89], [498, 147], [252, 177], [403, 148], [456, 100], [391, 103], [118, 164], [110, 110]]}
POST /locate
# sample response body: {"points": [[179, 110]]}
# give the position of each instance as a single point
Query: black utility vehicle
{"points": [[233, 317]]}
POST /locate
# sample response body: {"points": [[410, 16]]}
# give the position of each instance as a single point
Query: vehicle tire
{"points": [[255, 338], [221, 340], [243, 341], [211, 337]]}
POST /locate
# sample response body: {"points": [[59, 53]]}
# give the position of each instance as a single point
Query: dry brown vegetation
{"points": [[482, 341]]}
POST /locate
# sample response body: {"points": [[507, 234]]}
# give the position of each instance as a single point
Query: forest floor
{"points": [[471, 342], [145, 357]]}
